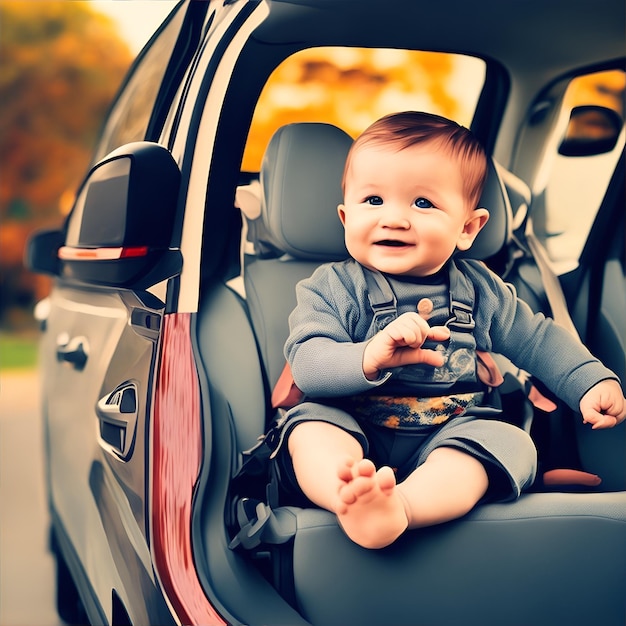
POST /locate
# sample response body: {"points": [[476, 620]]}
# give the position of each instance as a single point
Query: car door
{"points": [[101, 335], [597, 290], [577, 176], [584, 235]]}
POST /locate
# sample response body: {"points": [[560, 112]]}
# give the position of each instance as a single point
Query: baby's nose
{"points": [[395, 218]]}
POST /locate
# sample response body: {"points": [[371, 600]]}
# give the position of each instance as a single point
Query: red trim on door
{"points": [[176, 457], [69, 253]]}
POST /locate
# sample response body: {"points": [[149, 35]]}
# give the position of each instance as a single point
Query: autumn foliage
{"points": [[60, 66], [352, 87]]}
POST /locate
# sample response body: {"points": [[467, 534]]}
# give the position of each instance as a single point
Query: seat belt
{"points": [[523, 231], [551, 284]]}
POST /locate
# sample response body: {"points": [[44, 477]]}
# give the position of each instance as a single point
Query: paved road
{"points": [[26, 567]]}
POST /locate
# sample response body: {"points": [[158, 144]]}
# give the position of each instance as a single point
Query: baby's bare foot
{"points": [[370, 509]]}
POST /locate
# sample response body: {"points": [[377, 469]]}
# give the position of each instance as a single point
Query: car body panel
{"points": [[201, 115], [88, 474], [72, 421]]}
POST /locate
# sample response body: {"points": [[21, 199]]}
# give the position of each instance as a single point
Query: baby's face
{"points": [[404, 211]]}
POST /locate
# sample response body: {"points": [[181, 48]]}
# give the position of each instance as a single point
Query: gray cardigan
{"points": [[332, 323]]}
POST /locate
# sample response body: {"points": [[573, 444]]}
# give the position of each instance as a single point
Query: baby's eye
{"points": [[423, 203], [374, 200]]}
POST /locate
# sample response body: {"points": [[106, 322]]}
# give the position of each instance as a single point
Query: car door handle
{"points": [[117, 412], [73, 351]]}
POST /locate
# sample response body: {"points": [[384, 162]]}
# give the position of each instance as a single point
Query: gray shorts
{"points": [[507, 452]]}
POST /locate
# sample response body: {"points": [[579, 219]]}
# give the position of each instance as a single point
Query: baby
{"points": [[394, 432]]}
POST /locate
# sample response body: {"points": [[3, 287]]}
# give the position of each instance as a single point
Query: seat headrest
{"points": [[301, 187]]}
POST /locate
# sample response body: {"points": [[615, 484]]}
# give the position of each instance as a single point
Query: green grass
{"points": [[18, 351]]}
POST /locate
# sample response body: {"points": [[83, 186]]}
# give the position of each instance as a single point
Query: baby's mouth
{"points": [[391, 243]]}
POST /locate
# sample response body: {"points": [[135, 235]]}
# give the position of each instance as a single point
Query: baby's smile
{"points": [[392, 243]]}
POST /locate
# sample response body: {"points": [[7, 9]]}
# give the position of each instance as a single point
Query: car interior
{"points": [[521, 562], [517, 563], [168, 515], [484, 560], [598, 309]]}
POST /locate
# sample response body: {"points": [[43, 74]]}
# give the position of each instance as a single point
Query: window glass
{"points": [[352, 87], [575, 185], [130, 115]]}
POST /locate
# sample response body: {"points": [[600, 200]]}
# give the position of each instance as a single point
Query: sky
{"points": [[137, 19]]}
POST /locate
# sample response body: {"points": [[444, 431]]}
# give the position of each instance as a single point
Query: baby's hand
{"points": [[400, 343], [603, 406]]}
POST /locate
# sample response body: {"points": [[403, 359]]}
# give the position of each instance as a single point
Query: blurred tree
{"points": [[60, 66], [352, 87]]}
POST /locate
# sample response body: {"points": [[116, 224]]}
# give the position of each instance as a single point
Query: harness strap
{"points": [[382, 298], [384, 304], [462, 296], [261, 524]]}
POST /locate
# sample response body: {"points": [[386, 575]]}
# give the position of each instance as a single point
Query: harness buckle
{"points": [[259, 524], [384, 315], [462, 318]]}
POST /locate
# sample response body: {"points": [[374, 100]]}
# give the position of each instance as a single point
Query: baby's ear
{"points": [[341, 210], [473, 225]]}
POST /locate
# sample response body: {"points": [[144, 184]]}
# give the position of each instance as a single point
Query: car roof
{"points": [[543, 37]]}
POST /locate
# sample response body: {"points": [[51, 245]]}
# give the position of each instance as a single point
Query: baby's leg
{"points": [[372, 510], [446, 486], [317, 450], [330, 469]]}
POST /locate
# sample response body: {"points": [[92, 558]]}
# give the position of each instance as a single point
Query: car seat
{"points": [[546, 558]]}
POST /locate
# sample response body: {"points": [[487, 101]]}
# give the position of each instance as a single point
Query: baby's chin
{"points": [[391, 270]]}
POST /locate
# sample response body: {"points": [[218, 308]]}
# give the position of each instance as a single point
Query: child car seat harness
{"points": [[419, 395], [259, 518]]}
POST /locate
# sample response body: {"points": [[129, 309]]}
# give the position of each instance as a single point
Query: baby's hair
{"points": [[409, 128]]}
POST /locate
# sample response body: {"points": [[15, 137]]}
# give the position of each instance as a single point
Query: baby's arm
{"points": [[400, 343], [603, 406]]}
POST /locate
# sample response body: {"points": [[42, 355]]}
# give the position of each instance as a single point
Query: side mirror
{"points": [[120, 228], [591, 130]]}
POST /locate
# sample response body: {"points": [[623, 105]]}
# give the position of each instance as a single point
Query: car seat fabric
{"points": [[515, 563], [300, 190], [534, 561]]}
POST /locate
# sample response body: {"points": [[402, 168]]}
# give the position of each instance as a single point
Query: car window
{"points": [[130, 116], [352, 87], [575, 184]]}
